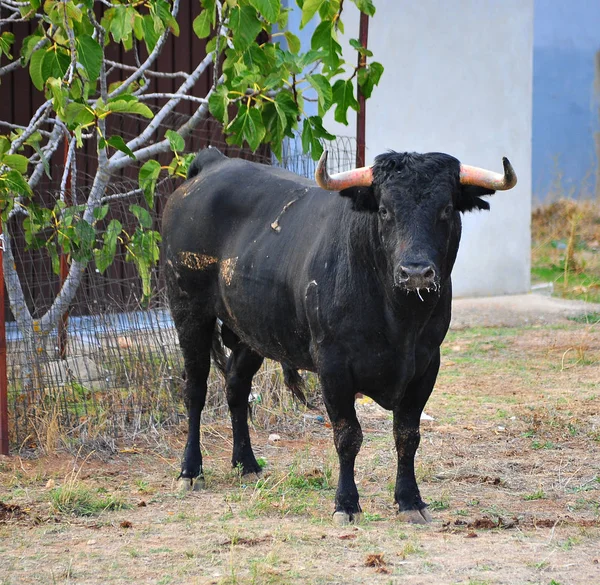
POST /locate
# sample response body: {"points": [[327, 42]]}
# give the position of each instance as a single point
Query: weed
{"points": [[76, 499], [542, 445], [410, 548], [442, 504], [539, 494]]}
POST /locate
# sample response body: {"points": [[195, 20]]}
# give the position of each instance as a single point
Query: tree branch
{"points": [[149, 73], [118, 162], [165, 96]]}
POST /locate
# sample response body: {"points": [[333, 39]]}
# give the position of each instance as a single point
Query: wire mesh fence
{"points": [[114, 370]]}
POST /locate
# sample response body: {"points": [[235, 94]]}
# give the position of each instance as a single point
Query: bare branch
{"points": [[164, 145], [48, 150], [118, 162], [150, 60], [19, 127], [168, 96], [67, 169], [36, 121], [149, 73], [71, 36], [132, 193]]}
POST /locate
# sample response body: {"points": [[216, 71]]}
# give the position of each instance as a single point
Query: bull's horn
{"points": [[362, 177], [483, 178]]}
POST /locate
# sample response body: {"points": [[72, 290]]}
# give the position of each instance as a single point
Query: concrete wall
{"points": [[458, 79]]}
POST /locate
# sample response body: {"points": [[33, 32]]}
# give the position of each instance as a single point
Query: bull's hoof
{"points": [[199, 484], [251, 477], [343, 518], [415, 516], [184, 485]]}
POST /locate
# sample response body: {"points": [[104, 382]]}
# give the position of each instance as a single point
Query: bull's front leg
{"points": [[347, 437], [407, 436]]}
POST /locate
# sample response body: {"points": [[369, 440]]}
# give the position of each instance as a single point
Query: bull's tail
{"points": [[217, 350], [292, 379]]}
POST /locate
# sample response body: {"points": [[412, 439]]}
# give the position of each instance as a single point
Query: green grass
{"points": [[76, 499]]}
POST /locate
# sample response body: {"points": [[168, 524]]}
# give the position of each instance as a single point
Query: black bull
{"points": [[353, 285]]}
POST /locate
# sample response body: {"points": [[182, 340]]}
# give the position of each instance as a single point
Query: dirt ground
{"points": [[510, 465]]}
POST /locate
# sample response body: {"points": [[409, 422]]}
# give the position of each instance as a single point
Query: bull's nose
{"points": [[416, 275]]}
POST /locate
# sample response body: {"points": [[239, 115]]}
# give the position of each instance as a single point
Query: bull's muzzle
{"points": [[416, 276]]}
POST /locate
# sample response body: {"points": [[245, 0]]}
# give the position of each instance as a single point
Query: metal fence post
{"points": [[4, 447]]}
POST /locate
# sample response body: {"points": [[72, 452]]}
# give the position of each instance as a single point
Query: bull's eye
{"points": [[447, 213], [383, 213]]}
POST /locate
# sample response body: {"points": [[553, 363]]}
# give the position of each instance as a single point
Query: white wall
{"points": [[458, 79]]}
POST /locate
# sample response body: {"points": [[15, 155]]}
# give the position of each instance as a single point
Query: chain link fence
{"points": [[114, 370]]}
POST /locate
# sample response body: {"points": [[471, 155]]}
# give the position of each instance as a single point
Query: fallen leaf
{"points": [[375, 560]]}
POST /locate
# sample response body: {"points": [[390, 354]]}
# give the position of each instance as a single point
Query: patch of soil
{"points": [[10, 512]]}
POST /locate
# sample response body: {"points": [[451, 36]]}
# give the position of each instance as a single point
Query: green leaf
{"points": [[365, 6], [90, 56], [163, 11], [318, 130], [268, 8], [355, 43], [309, 9], [202, 24], [343, 96], [55, 64], [35, 69], [324, 93], [6, 40], [4, 145], [147, 179], [368, 77], [28, 45], [285, 104], [121, 24], [130, 106], [151, 35], [254, 131], [118, 143], [218, 102], [73, 12], [176, 141], [310, 142], [84, 240], [323, 38], [78, 114], [15, 183], [16, 161], [293, 42], [245, 26], [104, 256], [142, 214], [101, 212]]}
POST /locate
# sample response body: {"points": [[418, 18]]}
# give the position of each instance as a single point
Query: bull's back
{"points": [[243, 237]]}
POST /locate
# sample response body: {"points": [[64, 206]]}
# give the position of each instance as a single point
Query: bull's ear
{"points": [[469, 198], [363, 198]]}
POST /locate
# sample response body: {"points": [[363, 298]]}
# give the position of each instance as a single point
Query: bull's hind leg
{"points": [[195, 330], [242, 364], [195, 344]]}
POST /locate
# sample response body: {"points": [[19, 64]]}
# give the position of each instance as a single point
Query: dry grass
{"points": [[566, 248], [509, 465]]}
